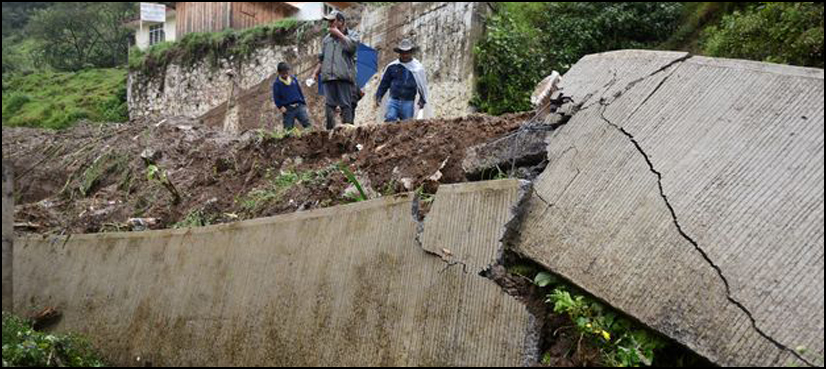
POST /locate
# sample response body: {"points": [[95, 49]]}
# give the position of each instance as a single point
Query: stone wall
{"points": [[237, 96], [193, 91]]}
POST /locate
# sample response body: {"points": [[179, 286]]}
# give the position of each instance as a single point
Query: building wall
{"points": [[309, 11], [203, 17], [251, 14], [142, 32]]}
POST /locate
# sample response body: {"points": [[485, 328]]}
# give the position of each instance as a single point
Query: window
{"points": [[156, 34]]}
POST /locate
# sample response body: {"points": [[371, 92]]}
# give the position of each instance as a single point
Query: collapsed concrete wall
{"points": [[8, 237], [688, 193], [680, 192], [241, 99], [349, 285]]}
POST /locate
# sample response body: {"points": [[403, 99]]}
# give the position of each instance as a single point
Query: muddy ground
{"points": [[92, 178]]}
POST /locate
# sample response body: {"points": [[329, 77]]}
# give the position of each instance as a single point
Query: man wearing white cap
{"points": [[404, 79]]}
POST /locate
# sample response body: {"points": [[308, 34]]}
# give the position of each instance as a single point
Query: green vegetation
{"points": [[73, 36], [24, 346], [695, 18], [195, 218], [57, 100], [622, 343], [276, 187], [213, 47], [362, 196], [279, 134], [424, 197], [786, 33], [526, 41], [155, 173]]}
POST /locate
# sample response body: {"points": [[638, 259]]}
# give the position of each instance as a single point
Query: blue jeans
{"points": [[299, 112], [398, 110]]}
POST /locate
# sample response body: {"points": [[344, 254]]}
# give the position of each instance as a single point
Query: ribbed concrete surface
{"points": [[739, 150], [467, 221], [340, 286]]}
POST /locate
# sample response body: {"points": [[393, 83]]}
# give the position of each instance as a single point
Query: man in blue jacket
{"points": [[404, 78], [288, 98]]}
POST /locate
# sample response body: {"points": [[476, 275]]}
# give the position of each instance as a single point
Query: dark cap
{"points": [[283, 67]]}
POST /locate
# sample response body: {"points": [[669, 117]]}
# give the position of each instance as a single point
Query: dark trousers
{"points": [[339, 95], [296, 111]]}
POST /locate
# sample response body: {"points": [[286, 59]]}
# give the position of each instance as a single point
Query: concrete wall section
{"points": [[689, 194], [339, 286]]}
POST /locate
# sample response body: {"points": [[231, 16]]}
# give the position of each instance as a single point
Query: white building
{"points": [[199, 17], [148, 33]]}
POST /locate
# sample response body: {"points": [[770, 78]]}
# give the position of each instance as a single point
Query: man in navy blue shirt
{"points": [[288, 98], [404, 79]]}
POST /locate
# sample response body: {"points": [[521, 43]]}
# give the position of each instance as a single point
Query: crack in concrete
{"points": [[688, 238], [512, 229], [607, 87]]}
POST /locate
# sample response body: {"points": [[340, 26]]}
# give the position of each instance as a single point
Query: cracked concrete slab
{"points": [[690, 196], [468, 220], [347, 285]]}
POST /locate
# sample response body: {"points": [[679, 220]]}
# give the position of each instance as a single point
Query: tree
{"points": [[79, 35], [16, 15]]}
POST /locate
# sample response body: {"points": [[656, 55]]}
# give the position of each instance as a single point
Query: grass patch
{"points": [[276, 187], [58, 100], [24, 346]]}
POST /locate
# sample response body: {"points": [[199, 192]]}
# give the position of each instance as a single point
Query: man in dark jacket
{"points": [[338, 68], [288, 98], [404, 79]]}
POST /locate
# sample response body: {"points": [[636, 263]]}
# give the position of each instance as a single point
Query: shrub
{"points": [[788, 33]]}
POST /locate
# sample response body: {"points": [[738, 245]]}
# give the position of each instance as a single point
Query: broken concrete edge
{"points": [[533, 332], [8, 237], [277, 219], [511, 256], [510, 236], [603, 106]]}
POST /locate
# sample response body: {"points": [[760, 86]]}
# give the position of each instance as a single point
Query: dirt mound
{"points": [[92, 178]]}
